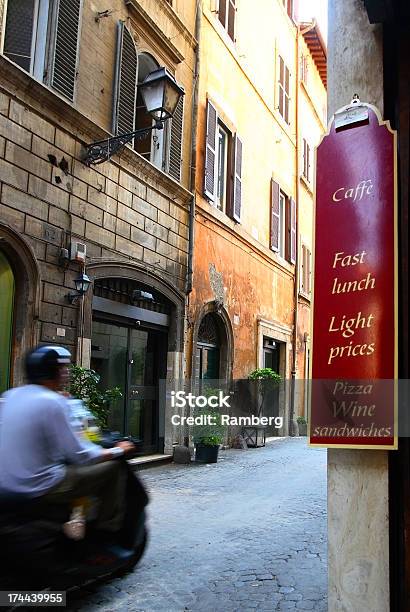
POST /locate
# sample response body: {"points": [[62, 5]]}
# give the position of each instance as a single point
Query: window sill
{"points": [[306, 296], [307, 185]]}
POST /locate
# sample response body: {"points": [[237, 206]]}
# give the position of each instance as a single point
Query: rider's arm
{"points": [[62, 437]]}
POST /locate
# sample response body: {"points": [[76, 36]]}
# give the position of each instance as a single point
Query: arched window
{"points": [[7, 290]]}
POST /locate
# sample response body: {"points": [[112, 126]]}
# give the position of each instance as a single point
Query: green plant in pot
{"points": [[84, 385], [302, 425], [209, 434], [265, 380]]}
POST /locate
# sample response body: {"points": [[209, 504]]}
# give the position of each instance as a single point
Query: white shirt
{"points": [[37, 441]]}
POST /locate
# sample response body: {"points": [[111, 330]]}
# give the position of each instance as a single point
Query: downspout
{"points": [[192, 177], [184, 434], [297, 267]]}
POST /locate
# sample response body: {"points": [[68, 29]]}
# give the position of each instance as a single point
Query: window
{"points": [[283, 90], [306, 271], [223, 166], [41, 36], [306, 160], [163, 147], [226, 14], [283, 224]]}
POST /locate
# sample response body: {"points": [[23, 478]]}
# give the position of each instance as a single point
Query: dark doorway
{"points": [[134, 360]]}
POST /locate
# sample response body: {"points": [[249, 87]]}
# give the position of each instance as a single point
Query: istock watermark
{"points": [[180, 399]]}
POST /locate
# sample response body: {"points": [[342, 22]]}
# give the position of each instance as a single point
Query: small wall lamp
{"points": [[82, 283]]}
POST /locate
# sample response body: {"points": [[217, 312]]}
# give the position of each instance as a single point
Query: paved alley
{"points": [[248, 533]]}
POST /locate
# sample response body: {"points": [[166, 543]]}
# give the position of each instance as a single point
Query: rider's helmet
{"points": [[43, 363]]}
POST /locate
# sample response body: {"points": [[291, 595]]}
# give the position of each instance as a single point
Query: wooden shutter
{"points": [[281, 85], [308, 271], [231, 19], [64, 67], [287, 94], [210, 151], [19, 32], [275, 216], [237, 180], [302, 270], [292, 245], [175, 147], [126, 75]]}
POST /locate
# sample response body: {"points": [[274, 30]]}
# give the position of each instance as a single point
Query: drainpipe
{"points": [[297, 267], [192, 177]]}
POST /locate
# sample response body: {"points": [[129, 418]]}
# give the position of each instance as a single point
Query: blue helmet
{"points": [[43, 363]]}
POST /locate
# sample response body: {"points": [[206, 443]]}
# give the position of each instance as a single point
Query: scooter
{"points": [[35, 553]]}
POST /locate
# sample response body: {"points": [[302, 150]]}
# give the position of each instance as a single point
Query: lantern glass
{"points": [[161, 94], [82, 283]]}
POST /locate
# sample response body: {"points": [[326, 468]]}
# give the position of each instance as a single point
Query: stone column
{"points": [[358, 518]]}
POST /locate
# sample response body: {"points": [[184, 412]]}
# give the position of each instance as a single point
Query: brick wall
{"points": [[50, 197]]}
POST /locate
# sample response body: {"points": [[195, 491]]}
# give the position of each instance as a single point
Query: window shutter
{"points": [[308, 287], [275, 216], [175, 148], [210, 151], [292, 250], [237, 184], [19, 32], [281, 85], [302, 270], [64, 68], [287, 92], [231, 19], [126, 74]]}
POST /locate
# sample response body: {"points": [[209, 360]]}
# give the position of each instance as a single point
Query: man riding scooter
{"points": [[41, 456]]}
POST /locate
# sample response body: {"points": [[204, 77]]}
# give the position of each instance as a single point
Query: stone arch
{"points": [[27, 301], [98, 270], [225, 331]]}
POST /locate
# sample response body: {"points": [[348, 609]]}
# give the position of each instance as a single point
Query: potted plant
{"points": [[266, 379], [84, 385], [208, 436], [302, 425]]}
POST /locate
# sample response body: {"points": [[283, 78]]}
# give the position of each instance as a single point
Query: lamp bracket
{"points": [[102, 150], [74, 297]]}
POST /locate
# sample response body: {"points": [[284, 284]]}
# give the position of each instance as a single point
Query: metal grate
{"points": [[208, 331], [121, 290], [66, 47]]}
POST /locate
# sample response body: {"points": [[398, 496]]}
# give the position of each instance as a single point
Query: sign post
{"points": [[354, 328]]}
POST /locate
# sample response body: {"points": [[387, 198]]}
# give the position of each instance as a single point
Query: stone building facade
{"points": [[253, 205], [132, 213]]}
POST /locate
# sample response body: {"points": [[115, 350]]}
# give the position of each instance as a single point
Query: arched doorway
{"points": [[129, 345], [19, 305], [7, 293], [213, 345]]}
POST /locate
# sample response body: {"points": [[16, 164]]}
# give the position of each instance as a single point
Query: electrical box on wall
{"points": [[78, 252]]}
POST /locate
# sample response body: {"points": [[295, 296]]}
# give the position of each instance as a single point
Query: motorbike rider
{"points": [[42, 457]]}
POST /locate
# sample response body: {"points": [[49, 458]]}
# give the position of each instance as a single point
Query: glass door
{"points": [[134, 360]]}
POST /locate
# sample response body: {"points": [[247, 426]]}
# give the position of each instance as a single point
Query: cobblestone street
{"points": [[246, 533]]}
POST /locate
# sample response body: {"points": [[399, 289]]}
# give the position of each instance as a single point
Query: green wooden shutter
{"points": [[126, 75], [66, 43], [175, 147], [275, 216]]}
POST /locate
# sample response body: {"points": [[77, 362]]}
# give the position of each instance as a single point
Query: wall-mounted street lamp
{"points": [[161, 94], [82, 283]]}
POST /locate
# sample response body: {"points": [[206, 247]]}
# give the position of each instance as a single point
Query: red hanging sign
{"points": [[354, 330]]}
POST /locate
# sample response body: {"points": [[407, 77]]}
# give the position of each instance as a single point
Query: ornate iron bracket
{"points": [[103, 150]]}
